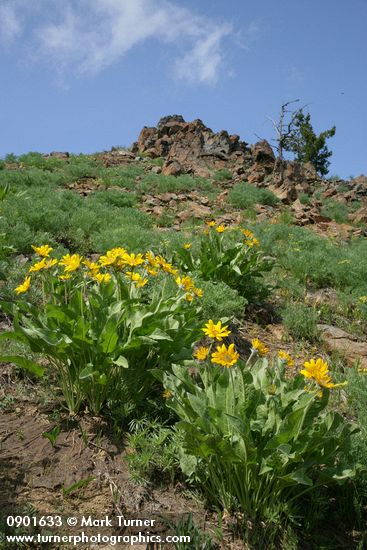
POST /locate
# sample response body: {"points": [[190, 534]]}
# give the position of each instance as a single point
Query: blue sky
{"points": [[84, 75]]}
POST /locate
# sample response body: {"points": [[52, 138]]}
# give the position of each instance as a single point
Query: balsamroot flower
{"points": [[216, 331], [201, 353], [318, 370], [43, 250], [220, 229], [24, 287], [258, 347], [286, 358], [102, 277], [224, 356], [71, 262]]}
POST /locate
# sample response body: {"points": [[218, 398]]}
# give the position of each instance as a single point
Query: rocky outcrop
{"points": [[336, 339], [192, 147]]}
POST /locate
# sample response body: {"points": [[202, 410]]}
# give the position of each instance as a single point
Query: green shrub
{"points": [[244, 195], [304, 198], [316, 260], [101, 327], [300, 321], [36, 160], [335, 210], [255, 440], [222, 175], [31, 177], [220, 300], [230, 257], [119, 199]]}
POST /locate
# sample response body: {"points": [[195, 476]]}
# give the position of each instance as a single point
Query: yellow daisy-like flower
{"points": [[38, 266], [50, 263], [212, 223], [286, 358], [92, 266], [24, 287], [189, 297], [198, 292], [224, 356], [65, 277], [259, 347], [318, 370], [255, 241], [102, 277], [43, 250], [220, 229], [167, 394], [216, 331], [185, 282], [167, 267], [187, 246], [71, 262], [133, 260], [152, 260], [152, 271], [201, 353], [137, 279], [249, 234]]}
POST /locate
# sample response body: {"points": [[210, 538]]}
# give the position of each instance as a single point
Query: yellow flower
{"points": [[137, 278], [65, 277], [152, 271], [259, 347], [167, 394], [363, 299], [187, 246], [38, 266], [225, 356], [198, 292], [220, 228], [71, 263], [249, 234], [112, 257], [185, 282], [92, 266], [43, 250], [318, 370], [201, 353], [24, 287], [168, 268], [284, 356], [50, 263], [189, 297], [212, 223], [216, 330], [255, 241], [132, 259], [43, 264], [102, 277], [152, 260]]}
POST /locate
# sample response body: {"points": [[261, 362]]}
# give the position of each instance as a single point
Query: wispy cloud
{"points": [[10, 26], [91, 35]]}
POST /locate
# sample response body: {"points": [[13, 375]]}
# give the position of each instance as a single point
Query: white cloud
{"points": [[204, 61], [94, 34], [10, 26]]}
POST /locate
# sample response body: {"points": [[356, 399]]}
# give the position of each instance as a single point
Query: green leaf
{"points": [[88, 372], [121, 361], [24, 363]]}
